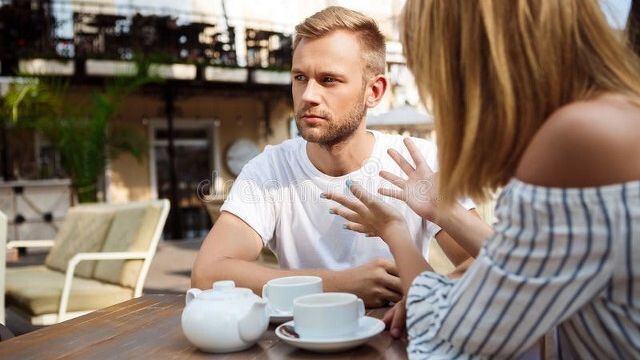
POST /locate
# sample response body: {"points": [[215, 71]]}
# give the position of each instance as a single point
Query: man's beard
{"points": [[338, 131]]}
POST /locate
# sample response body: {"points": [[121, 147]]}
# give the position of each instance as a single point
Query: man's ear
{"points": [[375, 90]]}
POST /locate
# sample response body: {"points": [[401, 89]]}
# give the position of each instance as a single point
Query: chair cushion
{"points": [[132, 230], [438, 259], [36, 290], [83, 230]]}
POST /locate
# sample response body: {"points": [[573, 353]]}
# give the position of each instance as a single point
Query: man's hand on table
{"points": [[376, 282]]}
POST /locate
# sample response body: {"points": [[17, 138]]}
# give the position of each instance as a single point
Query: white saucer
{"points": [[278, 317], [369, 327]]}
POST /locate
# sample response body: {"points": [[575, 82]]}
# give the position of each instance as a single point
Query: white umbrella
{"points": [[401, 116]]}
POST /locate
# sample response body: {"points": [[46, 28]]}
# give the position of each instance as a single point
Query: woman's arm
{"points": [[526, 280], [370, 215], [420, 192]]}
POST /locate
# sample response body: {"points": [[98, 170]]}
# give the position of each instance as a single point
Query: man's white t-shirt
{"points": [[278, 195]]}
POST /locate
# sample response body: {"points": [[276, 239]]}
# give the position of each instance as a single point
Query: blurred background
{"points": [[217, 90]]}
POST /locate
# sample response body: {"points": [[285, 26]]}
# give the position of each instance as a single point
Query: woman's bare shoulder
{"points": [[587, 143]]}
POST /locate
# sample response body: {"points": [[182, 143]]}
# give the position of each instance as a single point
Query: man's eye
{"points": [[299, 78], [330, 79]]}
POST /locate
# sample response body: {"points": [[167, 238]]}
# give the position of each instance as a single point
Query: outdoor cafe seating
{"points": [[99, 257], [124, 323]]}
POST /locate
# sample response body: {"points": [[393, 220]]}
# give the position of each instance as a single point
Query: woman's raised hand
{"points": [[420, 189]]}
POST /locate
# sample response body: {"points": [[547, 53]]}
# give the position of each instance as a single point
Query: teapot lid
{"points": [[225, 290]]}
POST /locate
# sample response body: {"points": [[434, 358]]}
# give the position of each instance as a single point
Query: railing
{"points": [[73, 30]]}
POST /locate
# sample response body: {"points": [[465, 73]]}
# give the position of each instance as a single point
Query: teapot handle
{"points": [[192, 294]]}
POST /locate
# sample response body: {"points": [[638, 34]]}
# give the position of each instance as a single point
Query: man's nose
{"points": [[311, 92]]}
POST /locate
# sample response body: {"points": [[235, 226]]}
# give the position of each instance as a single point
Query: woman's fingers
{"points": [[347, 214], [394, 179], [367, 208], [361, 194], [405, 166], [357, 228], [416, 155], [352, 210], [345, 201], [394, 193]]}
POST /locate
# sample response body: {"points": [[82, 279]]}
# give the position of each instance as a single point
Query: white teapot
{"points": [[224, 318]]}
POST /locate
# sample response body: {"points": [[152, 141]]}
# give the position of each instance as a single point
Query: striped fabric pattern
{"points": [[565, 258]]}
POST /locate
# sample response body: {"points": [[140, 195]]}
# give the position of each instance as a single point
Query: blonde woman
{"points": [[543, 99]]}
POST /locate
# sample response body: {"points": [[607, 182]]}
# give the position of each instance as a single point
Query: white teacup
{"points": [[327, 315], [281, 291]]}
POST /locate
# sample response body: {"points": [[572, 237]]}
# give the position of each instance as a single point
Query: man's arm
{"points": [[232, 246], [462, 231], [228, 252], [462, 235]]}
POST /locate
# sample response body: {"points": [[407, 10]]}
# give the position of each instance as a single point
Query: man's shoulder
{"points": [[276, 157], [287, 148]]}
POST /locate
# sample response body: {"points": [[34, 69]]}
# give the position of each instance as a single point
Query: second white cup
{"points": [[327, 315], [282, 291]]}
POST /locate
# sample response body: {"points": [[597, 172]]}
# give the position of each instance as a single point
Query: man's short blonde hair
{"points": [[336, 18]]}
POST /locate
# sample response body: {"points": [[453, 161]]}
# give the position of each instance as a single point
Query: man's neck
{"points": [[342, 158]]}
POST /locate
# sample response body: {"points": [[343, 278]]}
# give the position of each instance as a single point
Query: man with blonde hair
{"points": [[337, 73]]}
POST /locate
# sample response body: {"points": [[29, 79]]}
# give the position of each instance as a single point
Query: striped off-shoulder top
{"points": [[567, 259]]}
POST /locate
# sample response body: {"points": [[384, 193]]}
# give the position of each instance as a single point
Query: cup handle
{"points": [[265, 291], [360, 308]]}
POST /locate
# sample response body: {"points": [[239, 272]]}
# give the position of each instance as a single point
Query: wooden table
{"points": [[149, 328]]}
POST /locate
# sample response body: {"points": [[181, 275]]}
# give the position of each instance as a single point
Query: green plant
{"points": [[83, 135]]}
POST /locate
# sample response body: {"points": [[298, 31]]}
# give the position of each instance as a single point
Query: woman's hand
{"points": [[396, 319], [370, 215], [366, 213], [420, 190]]}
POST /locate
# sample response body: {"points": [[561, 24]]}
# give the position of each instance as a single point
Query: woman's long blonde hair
{"points": [[495, 70]]}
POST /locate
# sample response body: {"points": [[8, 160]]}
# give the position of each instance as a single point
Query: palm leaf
{"points": [[83, 136]]}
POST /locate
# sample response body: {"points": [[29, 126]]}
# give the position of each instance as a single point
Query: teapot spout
{"points": [[255, 322]]}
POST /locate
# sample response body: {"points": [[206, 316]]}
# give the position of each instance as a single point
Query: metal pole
{"points": [[176, 219], [4, 151]]}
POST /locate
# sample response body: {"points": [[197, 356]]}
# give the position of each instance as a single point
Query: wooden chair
{"points": [[101, 256]]}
